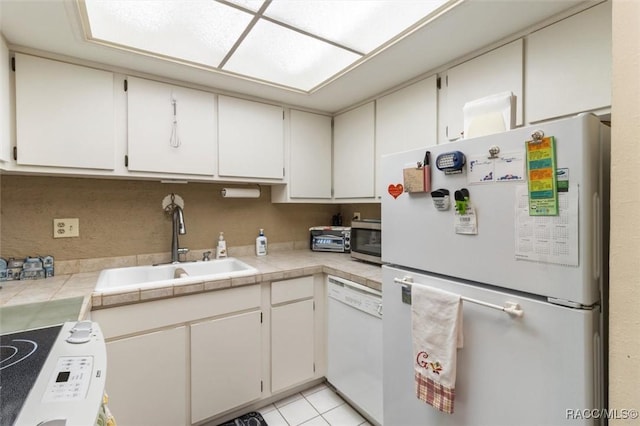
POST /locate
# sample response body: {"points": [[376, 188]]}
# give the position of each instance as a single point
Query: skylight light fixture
{"points": [[297, 45], [274, 53]]}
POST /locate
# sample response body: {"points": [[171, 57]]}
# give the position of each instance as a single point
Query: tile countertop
{"points": [[273, 267]]}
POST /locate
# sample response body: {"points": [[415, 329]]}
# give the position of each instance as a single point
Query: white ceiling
{"points": [[55, 26]]}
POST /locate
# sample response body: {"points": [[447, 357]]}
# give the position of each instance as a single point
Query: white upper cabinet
{"points": [[250, 138], [5, 103], [499, 70], [170, 129], [568, 66], [64, 114], [353, 153], [406, 119], [310, 155]]}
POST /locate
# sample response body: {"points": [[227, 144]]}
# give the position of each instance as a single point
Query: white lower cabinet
{"points": [[147, 378], [293, 331], [226, 367], [292, 344], [196, 358]]}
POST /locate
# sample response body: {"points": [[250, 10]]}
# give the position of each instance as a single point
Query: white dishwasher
{"points": [[354, 332]]}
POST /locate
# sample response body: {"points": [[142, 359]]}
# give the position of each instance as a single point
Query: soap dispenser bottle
{"points": [[261, 244], [221, 249]]}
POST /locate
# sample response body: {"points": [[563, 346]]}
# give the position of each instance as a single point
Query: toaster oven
{"points": [[330, 238]]}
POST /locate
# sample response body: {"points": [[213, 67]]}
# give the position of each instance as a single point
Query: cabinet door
{"points": [[158, 140], [310, 169], [226, 364], [5, 103], [292, 350], [251, 139], [497, 71], [64, 114], [568, 65], [147, 378], [406, 119], [353, 153]]}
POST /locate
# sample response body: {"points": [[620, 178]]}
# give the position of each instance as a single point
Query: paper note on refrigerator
{"points": [[547, 239], [504, 168], [541, 171]]}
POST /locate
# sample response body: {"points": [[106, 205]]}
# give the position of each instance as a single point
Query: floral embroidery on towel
{"points": [[435, 367]]}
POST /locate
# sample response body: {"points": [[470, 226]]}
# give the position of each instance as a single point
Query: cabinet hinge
{"points": [[126, 161], [126, 85], [15, 153], [261, 386], [439, 83], [13, 64]]}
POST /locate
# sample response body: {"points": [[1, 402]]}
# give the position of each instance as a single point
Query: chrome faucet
{"points": [[179, 228]]}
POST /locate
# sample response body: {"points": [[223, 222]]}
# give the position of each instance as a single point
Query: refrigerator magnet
{"points": [[441, 199], [466, 223], [413, 179], [395, 190]]}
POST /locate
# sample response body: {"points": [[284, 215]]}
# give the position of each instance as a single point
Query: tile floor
{"points": [[317, 406]]}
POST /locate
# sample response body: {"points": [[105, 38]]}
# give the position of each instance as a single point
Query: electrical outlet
{"points": [[356, 215], [66, 228]]}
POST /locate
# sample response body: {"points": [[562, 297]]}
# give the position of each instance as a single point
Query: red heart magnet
{"points": [[396, 190]]}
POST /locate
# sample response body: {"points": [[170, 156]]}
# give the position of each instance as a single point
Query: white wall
{"points": [[624, 353]]}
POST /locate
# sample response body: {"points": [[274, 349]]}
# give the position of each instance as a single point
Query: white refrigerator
{"points": [[545, 367]]}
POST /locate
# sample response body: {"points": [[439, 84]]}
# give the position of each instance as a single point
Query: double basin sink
{"points": [[143, 277]]}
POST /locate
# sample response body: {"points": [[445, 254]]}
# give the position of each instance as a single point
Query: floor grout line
{"points": [[321, 415]]}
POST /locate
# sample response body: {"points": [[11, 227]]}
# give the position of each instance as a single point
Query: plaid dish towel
{"points": [[436, 321]]}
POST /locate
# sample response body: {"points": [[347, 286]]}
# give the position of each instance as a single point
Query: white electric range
{"points": [[52, 376]]}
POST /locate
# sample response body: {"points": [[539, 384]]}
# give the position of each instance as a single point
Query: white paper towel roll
{"points": [[240, 193]]}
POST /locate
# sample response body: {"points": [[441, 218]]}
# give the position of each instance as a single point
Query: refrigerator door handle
{"points": [[597, 235]]}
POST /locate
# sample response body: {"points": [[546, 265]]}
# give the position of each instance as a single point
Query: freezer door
{"points": [[539, 369], [417, 235]]}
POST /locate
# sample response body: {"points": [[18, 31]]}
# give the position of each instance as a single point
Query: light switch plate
{"points": [[66, 228]]}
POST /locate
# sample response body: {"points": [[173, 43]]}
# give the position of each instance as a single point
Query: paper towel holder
{"points": [[240, 192]]}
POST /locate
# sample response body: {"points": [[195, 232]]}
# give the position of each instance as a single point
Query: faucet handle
{"points": [[205, 256], [184, 251]]}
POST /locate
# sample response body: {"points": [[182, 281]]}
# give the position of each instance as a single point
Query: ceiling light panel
{"points": [[274, 53], [253, 5], [362, 25], [200, 31]]}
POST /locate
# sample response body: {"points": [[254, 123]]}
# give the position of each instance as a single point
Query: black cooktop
{"points": [[22, 355]]}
